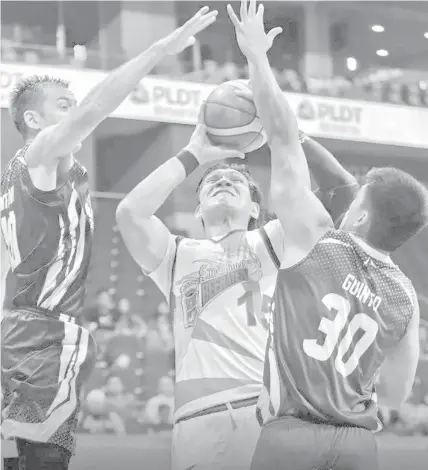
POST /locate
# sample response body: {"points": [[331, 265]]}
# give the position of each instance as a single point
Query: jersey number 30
{"points": [[332, 330]]}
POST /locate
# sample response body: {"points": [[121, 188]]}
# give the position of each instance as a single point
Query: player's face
{"points": [[226, 191], [58, 102]]}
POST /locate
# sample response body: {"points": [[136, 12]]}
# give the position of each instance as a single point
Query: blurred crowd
{"points": [[371, 86], [132, 387]]}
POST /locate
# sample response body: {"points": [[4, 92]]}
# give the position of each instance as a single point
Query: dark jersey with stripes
{"points": [[334, 316], [48, 235]]}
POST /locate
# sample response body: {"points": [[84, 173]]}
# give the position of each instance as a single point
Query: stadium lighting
{"points": [[382, 52], [378, 28], [426, 35], [351, 64]]}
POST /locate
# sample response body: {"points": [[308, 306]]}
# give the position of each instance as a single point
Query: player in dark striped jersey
{"points": [[344, 316], [46, 222]]}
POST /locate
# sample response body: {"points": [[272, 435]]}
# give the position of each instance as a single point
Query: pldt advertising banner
{"points": [[163, 100]]}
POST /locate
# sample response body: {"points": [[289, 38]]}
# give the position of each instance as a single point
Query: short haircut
{"points": [[399, 207], [255, 190], [27, 94]]}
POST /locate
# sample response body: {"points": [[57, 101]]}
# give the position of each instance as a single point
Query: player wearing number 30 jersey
{"points": [[343, 314], [343, 330]]}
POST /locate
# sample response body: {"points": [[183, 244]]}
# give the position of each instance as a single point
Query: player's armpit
{"points": [[147, 238], [397, 373]]}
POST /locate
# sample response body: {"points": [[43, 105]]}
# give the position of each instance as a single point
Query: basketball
{"points": [[232, 120]]}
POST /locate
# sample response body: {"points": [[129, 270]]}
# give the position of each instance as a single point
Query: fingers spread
{"points": [[233, 18], [273, 33], [244, 9], [252, 8]]}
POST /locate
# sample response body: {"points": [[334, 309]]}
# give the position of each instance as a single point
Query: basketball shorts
{"points": [[293, 444], [44, 362], [225, 440]]}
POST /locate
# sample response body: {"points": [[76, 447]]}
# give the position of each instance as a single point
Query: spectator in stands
{"points": [[160, 408], [114, 390], [98, 418], [102, 314], [129, 322], [158, 352]]}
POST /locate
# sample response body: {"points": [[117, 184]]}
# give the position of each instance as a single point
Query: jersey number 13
{"points": [[332, 330]]}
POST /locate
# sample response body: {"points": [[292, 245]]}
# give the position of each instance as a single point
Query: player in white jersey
{"points": [[218, 288]]}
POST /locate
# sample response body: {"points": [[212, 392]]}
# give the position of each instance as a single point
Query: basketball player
{"points": [[47, 226], [219, 289], [343, 313]]}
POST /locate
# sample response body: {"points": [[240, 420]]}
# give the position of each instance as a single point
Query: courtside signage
{"points": [[157, 99]]}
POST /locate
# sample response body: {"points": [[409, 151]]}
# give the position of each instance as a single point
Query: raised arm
{"points": [[145, 236], [337, 187], [61, 139], [301, 214]]}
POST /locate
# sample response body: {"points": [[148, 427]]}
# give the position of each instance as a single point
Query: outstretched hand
{"points": [[250, 29], [184, 36], [201, 147]]}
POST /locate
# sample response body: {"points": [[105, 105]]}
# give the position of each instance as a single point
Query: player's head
{"points": [[39, 101], [389, 209], [229, 191]]}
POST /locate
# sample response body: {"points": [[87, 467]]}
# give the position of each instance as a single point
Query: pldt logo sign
{"points": [[332, 117], [167, 95], [140, 95]]}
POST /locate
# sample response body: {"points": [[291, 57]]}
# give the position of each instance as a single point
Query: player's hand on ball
{"points": [[184, 36], [204, 151], [250, 30]]}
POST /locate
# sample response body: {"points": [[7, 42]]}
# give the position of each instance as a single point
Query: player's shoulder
{"points": [[403, 284], [15, 168], [271, 230], [334, 237]]}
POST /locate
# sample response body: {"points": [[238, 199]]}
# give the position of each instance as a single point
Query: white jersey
{"points": [[219, 292]]}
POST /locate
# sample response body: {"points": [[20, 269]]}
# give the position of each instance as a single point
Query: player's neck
{"points": [[366, 243], [220, 230]]}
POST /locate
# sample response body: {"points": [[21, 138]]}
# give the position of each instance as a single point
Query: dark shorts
{"points": [[44, 362], [293, 444]]}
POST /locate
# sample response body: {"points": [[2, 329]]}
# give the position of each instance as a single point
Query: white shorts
{"points": [[220, 441]]}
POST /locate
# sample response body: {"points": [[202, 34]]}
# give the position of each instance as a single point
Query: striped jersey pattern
{"points": [[48, 235]]}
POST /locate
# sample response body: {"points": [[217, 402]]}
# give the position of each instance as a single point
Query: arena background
{"points": [[360, 90]]}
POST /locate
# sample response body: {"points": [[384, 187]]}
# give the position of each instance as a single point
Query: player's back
{"points": [[335, 314], [48, 236]]}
